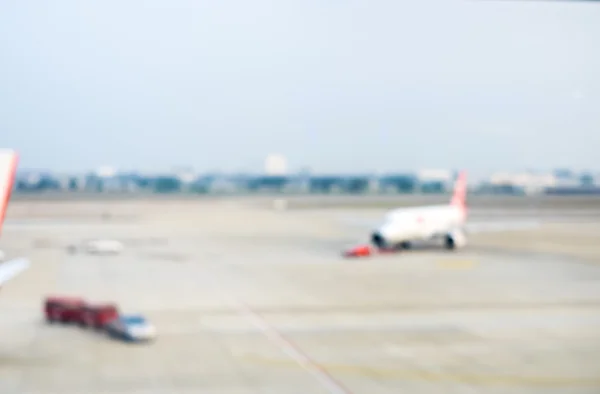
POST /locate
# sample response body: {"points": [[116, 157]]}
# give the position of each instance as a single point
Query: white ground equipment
{"points": [[98, 247]]}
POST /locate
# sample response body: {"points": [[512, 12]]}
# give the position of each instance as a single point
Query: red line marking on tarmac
{"points": [[285, 345], [293, 351]]}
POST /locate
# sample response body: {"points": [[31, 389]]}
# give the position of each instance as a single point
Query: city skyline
{"points": [[338, 87]]}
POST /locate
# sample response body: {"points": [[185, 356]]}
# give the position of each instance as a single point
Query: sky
{"points": [[336, 86]]}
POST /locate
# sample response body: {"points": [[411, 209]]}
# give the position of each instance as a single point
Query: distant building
{"points": [[434, 180], [429, 175], [526, 182], [275, 164], [106, 172], [564, 173]]}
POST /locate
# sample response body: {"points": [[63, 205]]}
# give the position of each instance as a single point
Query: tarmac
{"points": [[248, 299]]}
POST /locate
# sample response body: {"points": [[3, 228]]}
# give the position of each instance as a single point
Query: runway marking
{"points": [[576, 306], [456, 264], [442, 377], [285, 345]]}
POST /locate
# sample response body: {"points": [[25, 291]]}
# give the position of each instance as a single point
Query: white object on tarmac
{"points": [[132, 328], [101, 246]]}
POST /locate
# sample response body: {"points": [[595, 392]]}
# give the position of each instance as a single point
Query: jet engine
{"points": [[455, 240], [378, 240]]}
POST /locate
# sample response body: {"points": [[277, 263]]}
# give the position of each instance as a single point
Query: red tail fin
{"points": [[8, 169], [459, 198]]}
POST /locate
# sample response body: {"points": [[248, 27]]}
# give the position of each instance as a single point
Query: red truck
{"points": [[359, 251], [98, 315], [368, 250], [78, 311], [63, 309]]}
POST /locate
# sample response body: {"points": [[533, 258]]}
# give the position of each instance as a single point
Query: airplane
{"points": [[8, 168], [403, 227]]}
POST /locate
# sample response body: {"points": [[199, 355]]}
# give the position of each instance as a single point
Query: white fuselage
{"points": [[419, 223]]}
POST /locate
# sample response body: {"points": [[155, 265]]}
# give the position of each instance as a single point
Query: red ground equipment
{"points": [[97, 316], [63, 309], [368, 250], [76, 310], [359, 251]]}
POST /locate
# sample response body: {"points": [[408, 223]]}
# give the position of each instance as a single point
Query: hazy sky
{"points": [[335, 85]]}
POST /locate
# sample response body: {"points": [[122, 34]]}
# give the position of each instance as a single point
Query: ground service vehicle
{"points": [[63, 309], [103, 247], [131, 328], [368, 250], [98, 316], [359, 251]]}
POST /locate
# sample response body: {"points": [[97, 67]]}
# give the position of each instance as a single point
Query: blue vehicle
{"points": [[131, 328]]}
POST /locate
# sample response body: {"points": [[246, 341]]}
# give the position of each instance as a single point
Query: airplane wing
{"points": [[12, 268]]}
